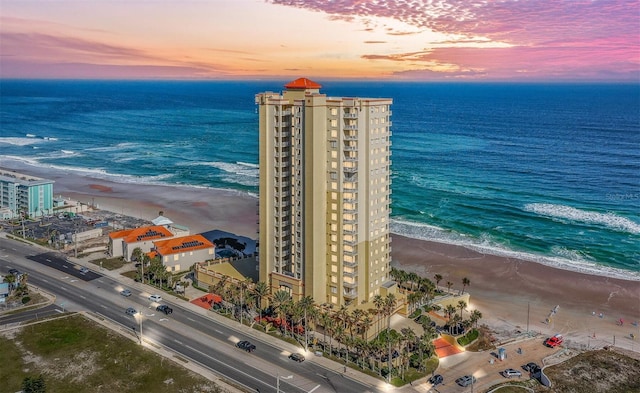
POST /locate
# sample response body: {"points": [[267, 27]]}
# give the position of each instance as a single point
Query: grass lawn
{"points": [[110, 263], [76, 355]]}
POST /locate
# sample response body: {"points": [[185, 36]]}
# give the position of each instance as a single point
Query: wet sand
{"points": [[512, 294]]}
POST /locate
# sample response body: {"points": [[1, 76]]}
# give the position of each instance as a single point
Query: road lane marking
{"points": [[64, 288], [103, 306], [218, 331], [191, 319], [317, 386], [48, 260], [179, 342], [83, 297]]}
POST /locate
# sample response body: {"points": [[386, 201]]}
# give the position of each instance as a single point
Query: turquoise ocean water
{"points": [[549, 173]]}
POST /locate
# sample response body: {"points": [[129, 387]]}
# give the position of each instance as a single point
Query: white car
{"points": [[84, 270], [155, 298]]}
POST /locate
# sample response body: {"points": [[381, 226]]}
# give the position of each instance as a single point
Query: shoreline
{"points": [[511, 293], [119, 196]]}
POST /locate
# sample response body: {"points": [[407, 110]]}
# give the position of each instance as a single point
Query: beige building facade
{"points": [[325, 188]]}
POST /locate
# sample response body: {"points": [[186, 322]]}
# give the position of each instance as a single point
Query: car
{"points": [[466, 380], [246, 345], [436, 380], [165, 309], [554, 341], [131, 311], [508, 373], [84, 270], [155, 298], [125, 293], [297, 357], [531, 367], [14, 272]]}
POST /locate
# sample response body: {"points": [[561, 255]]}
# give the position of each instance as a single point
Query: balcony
{"points": [[350, 284], [352, 231], [350, 253], [350, 137], [350, 264], [282, 155], [350, 115], [350, 169], [351, 158], [351, 127], [282, 124], [350, 147], [350, 294], [352, 274], [282, 144]]}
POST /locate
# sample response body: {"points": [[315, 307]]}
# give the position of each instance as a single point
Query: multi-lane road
{"points": [[185, 332]]}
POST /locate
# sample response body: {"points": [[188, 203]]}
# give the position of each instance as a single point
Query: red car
{"points": [[554, 341]]}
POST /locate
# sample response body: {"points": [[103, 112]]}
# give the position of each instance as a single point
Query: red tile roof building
{"points": [[180, 253], [122, 243]]}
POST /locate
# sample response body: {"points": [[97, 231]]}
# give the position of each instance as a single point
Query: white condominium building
{"points": [[325, 192]]}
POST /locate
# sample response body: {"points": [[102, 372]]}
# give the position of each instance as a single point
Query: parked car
{"points": [[14, 272], [84, 270], [466, 380], [554, 341], [297, 357], [531, 367], [131, 311], [508, 373], [125, 293], [165, 309], [246, 345], [155, 298], [436, 380]]}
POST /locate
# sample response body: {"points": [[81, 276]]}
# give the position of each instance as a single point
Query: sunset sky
{"points": [[431, 40]]}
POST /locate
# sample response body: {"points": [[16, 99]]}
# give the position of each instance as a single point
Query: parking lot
{"points": [[57, 230]]}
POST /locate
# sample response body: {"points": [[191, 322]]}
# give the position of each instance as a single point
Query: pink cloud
{"points": [[564, 38]]}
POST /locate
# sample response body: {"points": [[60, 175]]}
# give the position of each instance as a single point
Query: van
{"points": [[155, 298]]}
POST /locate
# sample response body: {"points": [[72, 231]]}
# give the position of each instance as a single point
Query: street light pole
{"points": [[278, 381]]}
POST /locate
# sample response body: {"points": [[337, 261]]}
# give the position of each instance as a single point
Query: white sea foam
{"points": [[30, 136], [68, 151], [48, 138], [247, 164], [17, 141], [562, 259], [609, 220], [243, 173]]}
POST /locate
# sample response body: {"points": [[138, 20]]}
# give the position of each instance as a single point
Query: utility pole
{"points": [[528, 309]]}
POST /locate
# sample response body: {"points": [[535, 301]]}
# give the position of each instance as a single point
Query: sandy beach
{"points": [[511, 294]]}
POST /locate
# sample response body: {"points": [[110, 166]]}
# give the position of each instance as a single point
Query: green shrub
{"points": [[469, 337], [26, 300]]}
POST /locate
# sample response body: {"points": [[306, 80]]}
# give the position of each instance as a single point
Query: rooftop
{"points": [[302, 84], [182, 244]]}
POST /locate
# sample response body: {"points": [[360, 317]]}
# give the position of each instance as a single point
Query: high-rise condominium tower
{"points": [[324, 194]]}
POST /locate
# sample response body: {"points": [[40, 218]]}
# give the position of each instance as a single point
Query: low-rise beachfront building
{"points": [[177, 230], [25, 195], [122, 243], [180, 253]]}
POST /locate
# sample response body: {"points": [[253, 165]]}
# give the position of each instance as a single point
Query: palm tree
{"points": [[449, 285], [137, 255], [465, 283], [408, 338], [378, 301], [261, 290], [462, 305], [475, 317], [449, 310], [389, 307], [438, 278], [279, 301], [306, 305]]}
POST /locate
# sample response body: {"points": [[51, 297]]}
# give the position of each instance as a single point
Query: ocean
{"points": [[543, 172]]}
